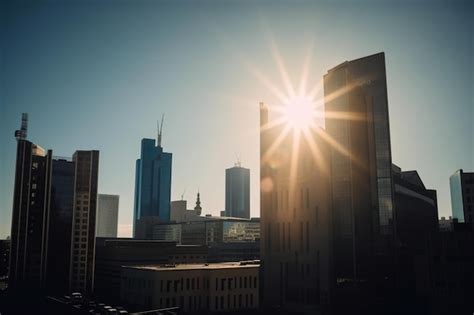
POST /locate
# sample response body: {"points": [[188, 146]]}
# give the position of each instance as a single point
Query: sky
{"points": [[99, 74]]}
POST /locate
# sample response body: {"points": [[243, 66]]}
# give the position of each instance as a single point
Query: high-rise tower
{"points": [[357, 123], [237, 192], [295, 210], [152, 187]]}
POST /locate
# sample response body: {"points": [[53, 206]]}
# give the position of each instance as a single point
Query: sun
{"points": [[299, 112]]}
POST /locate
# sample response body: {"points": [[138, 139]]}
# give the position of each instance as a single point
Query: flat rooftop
{"points": [[202, 266]]}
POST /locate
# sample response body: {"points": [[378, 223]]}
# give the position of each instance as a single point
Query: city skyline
{"points": [[119, 106]]}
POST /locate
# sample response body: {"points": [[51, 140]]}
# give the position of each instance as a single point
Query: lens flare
{"points": [[299, 112]]}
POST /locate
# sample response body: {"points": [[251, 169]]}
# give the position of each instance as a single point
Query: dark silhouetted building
{"points": [[357, 124], [295, 208], [237, 192], [4, 261], [30, 218], [152, 187], [113, 253], [462, 196], [417, 211], [60, 227], [53, 226]]}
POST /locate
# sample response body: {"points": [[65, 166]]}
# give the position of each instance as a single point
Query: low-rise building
{"points": [[113, 253], [219, 287]]}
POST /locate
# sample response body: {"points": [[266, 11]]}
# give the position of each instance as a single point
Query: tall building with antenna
{"points": [[237, 191], [152, 186]]}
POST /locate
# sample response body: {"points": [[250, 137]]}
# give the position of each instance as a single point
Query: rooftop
{"points": [[205, 266]]}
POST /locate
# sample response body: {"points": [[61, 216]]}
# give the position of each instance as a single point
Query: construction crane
{"points": [[160, 129]]}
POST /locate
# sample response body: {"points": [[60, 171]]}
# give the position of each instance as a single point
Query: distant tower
{"points": [[237, 191], [152, 186], [198, 208]]}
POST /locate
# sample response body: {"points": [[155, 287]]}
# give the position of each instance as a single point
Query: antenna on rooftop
{"points": [[22, 133], [160, 129], [182, 195], [238, 162]]}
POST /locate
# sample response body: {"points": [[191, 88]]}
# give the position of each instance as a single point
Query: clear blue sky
{"points": [[97, 75]]}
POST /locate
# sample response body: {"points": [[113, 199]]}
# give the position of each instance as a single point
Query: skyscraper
{"points": [[152, 187], [107, 215], [462, 196], [71, 235], [30, 217], [295, 209], [357, 123], [53, 226], [237, 192], [84, 220]]}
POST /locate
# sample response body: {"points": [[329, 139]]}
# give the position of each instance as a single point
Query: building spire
{"points": [[198, 208], [22, 133], [160, 129]]}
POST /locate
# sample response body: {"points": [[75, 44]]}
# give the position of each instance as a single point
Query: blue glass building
{"points": [[152, 186], [237, 192], [462, 196]]}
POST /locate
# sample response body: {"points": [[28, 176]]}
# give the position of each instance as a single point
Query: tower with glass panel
{"points": [[357, 122], [237, 192], [152, 186], [462, 196]]}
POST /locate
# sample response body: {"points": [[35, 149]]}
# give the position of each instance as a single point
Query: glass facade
{"points": [[61, 212], [152, 183], [237, 192], [455, 186], [361, 161]]}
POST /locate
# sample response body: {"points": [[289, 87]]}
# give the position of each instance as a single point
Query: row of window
{"points": [[167, 286], [197, 303]]}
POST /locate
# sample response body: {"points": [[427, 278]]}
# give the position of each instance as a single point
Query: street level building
{"points": [[220, 287], [113, 253]]}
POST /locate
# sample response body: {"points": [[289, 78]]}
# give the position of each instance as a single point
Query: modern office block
{"points": [[113, 253], [60, 226], [462, 196], [357, 125], [219, 287], [30, 217], [107, 215], [237, 192], [296, 226], [84, 220], [152, 185]]}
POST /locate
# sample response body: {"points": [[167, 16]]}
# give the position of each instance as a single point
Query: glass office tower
{"points": [[462, 196], [357, 120], [237, 192], [152, 186]]}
